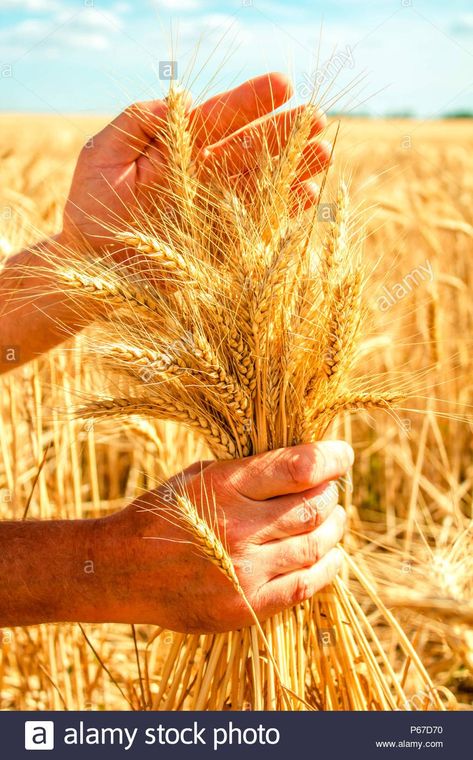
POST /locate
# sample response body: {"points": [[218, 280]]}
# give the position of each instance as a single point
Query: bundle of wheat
{"points": [[239, 315]]}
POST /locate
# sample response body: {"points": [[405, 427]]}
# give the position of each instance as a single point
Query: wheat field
{"points": [[410, 503]]}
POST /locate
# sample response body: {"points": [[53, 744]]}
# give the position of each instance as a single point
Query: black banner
{"points": [[233, 735]]}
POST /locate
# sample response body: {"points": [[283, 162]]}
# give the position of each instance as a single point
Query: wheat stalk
{"points": [[206, 538]]}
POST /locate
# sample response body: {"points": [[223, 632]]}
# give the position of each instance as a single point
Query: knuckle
{"points": [[245, 568], [293, 467], [326, 500], [308, 514], [331, 569], [301, 465], [282, 560], [329, 574], [325, 579], [132, 110], [233, 528], [302, 588], [135, 109], [310, 553]]}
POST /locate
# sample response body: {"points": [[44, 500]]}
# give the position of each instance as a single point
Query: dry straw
{"points": [[254, 347]]}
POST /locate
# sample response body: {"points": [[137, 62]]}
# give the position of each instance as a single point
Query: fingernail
{"points": [[325, 148], [345, 453], [338, 559], [316, 112]]}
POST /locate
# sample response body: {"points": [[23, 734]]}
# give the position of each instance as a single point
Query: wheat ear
{"points": [[433, 326], [207, 540], [111, 292], [338, 350], [179, 146], [170, 409], [319, 417], [197, 368], [165, 256], [335, 247], [179, 143], [276, 189], [352, 401]]}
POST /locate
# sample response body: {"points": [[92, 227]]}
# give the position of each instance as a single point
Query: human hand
{"points": [[279, 515], [113, 176]]}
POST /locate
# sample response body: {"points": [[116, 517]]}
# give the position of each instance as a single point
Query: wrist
{"points": [[89, 565], [98, 570], [112, 575]]}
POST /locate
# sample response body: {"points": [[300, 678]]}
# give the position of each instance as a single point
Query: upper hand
{"points": [[115, 172]]}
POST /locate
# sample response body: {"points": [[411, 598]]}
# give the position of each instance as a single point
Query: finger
{"points": [[293, 588], [297, 513], [290, 470], [315, 157], [127, 136], [242, 150], [296, 552], [306, 194], [151, 169], [231, 110]]}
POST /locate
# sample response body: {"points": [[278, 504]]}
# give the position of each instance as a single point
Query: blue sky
{"points": [[380, 56]]}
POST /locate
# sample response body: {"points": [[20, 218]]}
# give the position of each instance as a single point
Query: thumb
{"points": [[290, 470]]}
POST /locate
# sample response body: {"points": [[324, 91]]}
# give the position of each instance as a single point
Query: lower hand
{"points": [[278, 512]]}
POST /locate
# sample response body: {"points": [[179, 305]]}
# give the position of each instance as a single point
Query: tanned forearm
{"points": [[54, 570], [34, 315]]}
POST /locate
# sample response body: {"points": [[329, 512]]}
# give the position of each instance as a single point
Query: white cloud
{"points": [[218, 21], [40, 6], [85, 40], [122, 7], [210, 27], [463, 25], [89, 30], [178, 5], [30, 30], [93, 18]]}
